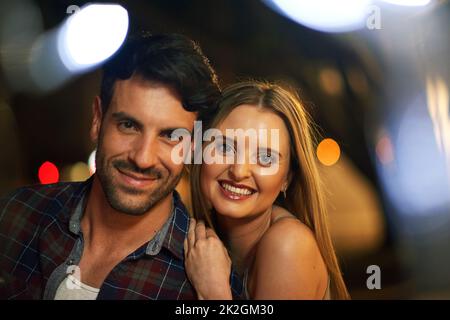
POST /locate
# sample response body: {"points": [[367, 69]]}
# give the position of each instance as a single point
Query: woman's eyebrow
{"points": [[270, 150], [228, 139]]}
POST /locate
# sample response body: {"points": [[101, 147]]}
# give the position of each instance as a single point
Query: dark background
{"points": [[342, 79]]}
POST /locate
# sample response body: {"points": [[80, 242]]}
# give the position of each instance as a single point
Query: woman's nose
{"points": [[240, 171]]}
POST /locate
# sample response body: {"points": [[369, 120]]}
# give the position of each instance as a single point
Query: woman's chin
{"points": [[232, 211]]}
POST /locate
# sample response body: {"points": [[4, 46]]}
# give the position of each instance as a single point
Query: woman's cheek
{"points": [[207, 181]]}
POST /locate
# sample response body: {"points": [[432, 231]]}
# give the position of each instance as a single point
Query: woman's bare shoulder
{"points": [[288, 262], [288, 233]]}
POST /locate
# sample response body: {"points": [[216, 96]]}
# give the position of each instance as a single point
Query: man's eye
{"points": [[173, 136], [127, 126]]}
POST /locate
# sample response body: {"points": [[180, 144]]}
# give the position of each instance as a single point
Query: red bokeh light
{"points": [[48, 173]]}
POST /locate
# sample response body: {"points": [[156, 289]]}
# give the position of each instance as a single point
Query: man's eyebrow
{"points": [[124, 116], [120, 116]]}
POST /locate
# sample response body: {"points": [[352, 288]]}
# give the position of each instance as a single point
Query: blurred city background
{"points": [[374, 75]]}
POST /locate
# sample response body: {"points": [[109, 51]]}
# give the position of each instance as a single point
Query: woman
{"points": [[272, 223]]}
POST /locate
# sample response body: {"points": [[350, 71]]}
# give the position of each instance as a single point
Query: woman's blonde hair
{"points": [[304, 197]]}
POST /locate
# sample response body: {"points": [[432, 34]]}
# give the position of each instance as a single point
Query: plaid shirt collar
{"points": [[171, 236]]}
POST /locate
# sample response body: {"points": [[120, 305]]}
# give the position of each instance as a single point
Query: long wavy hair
{"points": [[304, 195]]}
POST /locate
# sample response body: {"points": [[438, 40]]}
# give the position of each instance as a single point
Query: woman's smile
{"points": [[234, 191]]}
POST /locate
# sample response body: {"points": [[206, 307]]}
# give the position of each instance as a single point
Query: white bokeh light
{"points": [[325, 15], [410, 3], [416, 180], [92, 35], [91, 162]]}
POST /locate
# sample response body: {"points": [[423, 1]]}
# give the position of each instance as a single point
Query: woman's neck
{"points": [[242, 235]]}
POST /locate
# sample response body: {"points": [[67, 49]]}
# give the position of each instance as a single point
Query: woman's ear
{"points": [[97, 115], [288, 180]]}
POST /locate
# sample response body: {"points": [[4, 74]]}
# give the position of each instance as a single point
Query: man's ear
{"points": [[97, 116]]}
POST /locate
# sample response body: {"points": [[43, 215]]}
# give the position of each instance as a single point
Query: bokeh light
{"points": [[92, 35], [385, 150], [330, 81], [328, 152], [325, 15], [91, 162], [409, 3], [48, 173], [79, 172]]}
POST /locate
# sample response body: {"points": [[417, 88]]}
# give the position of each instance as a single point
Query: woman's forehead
{"points": [[250, 121]]}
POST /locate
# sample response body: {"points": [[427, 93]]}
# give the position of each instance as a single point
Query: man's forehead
{"points": [[147, 118], [137, 82]]}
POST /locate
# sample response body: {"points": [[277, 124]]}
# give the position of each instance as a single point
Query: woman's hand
{"points": [[207, 262]]}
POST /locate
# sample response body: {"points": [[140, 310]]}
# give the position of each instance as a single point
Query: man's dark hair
{"points": [[169, 59]]}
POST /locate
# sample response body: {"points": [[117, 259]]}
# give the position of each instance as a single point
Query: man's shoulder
{"points": [[31, 195], [46, 189], [35, 201]]}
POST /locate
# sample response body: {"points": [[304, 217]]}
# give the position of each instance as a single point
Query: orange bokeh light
{"points": [[328, 152]]}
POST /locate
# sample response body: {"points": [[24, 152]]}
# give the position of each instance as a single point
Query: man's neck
{"points": [[105, 227]]}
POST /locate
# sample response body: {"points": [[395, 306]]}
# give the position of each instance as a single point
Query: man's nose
{"points": [[145, 152]]}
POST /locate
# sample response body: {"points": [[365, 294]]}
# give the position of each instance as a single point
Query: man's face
{"points": [[133, 161]]}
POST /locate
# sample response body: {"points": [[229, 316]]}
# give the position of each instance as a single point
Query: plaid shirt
{"points": [[40, 238]]}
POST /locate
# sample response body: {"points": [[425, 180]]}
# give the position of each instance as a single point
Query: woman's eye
{"points": [[225, 148], [266, 159]]}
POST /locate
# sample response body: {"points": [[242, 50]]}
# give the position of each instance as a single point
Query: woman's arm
{"points": [[288, 264], [207, 263]]}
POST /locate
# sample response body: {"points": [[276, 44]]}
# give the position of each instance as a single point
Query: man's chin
{"points": [[131, 200], [134, 207], [132, 211], [126, 191], [134, 201]]}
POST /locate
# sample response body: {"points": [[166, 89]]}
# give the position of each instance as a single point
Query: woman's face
{"points": [[251, 175]]}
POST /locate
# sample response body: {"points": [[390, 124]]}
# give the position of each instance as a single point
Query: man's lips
{"points": [[136, 180]]}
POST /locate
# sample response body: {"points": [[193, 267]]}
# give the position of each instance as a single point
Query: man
{"points": [[120, 234]]}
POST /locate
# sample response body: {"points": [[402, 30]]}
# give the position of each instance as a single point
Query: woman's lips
{"points": [[237, 192], [135, 180]]}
